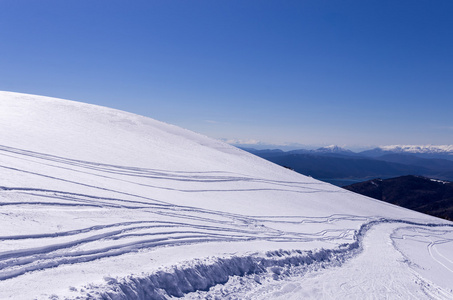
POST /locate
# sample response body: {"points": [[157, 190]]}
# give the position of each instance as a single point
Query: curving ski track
{"points": [[74, 186], [199, 276]]}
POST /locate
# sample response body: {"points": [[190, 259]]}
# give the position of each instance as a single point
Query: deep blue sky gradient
{"points": [[352, 73]]}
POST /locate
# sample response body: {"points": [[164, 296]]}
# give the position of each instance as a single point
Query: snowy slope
{"points": [[102, 204]]}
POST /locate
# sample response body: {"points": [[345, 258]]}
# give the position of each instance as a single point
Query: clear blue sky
{"points": [[352, 73]]}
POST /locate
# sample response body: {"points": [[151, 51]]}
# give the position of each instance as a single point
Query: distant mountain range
{"points": [[341, 166], [329, 150], [445, 151], [428, 151], [429, 196]]}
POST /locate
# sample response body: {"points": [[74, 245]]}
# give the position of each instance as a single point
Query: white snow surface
{"points": [[97, 203]]}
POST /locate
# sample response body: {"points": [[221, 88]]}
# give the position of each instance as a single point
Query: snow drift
{"points": [[100, 203]]}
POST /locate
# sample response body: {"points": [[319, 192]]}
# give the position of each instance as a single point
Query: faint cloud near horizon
{"points": [[259, 145], [242, 142]]}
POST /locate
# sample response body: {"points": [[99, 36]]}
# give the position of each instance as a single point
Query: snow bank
{"points": [[178, 281]]}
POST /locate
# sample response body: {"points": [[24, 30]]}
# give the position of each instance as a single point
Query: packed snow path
{"points": [[378, 270], [98, 203]]}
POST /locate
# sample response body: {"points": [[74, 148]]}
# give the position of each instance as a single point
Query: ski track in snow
{"points": [[213, 225], [253, 277], [165, 224]]}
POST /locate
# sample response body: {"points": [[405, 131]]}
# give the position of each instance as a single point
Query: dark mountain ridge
{"points": [[323, 167], [429, 196]]}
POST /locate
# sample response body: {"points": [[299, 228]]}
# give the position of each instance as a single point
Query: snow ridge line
{"points": [[199, 276]]}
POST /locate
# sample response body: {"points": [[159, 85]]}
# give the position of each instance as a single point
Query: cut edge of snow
{"points": [[202, 274]]}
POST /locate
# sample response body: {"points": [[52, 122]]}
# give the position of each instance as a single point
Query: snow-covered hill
{"points": [[98, 203]]}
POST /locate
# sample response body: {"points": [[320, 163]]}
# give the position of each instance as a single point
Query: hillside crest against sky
{"points": [[96, 201], [352, 73]]}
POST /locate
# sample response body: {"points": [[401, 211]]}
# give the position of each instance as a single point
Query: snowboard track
{"points": [[198, 276]]}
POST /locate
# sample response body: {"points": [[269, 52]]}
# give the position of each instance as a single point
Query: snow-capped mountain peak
{"points": [[429, 151], [332, 149], [432, 149]]}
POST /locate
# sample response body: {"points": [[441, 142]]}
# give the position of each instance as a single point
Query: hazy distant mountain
{"points": [[338, 165], [328, 167], [298, 151], [424, 151], [328, 150], [433, 197], [332, 150]]}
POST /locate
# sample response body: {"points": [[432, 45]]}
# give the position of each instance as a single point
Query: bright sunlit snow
{"points": [[98, 203]]}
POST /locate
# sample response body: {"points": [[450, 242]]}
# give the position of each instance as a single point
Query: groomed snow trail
{"points": [[369, 268], [378, 271], [101, 204]]}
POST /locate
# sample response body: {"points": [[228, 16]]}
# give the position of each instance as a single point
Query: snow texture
{"points": [[97, 203]]}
